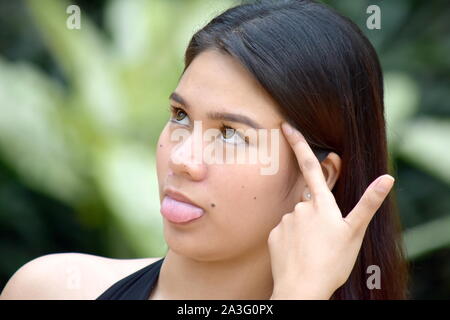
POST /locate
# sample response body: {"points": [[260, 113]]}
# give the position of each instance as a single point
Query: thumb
{"points": [[361, 215]]}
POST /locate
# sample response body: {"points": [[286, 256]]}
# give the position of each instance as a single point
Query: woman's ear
{"points": [[331, 168]]}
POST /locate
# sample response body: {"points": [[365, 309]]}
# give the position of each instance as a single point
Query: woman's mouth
{"points": [[179, 212]]}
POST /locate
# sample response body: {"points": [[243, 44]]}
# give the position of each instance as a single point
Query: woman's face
{"points": [[241, 204]]}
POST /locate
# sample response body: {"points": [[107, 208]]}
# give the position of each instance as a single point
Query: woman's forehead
{"points": [[218, 81]]}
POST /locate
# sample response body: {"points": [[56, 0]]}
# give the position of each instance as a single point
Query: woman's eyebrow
{"points": [[177, 98], [233, 117], [225, 116]]}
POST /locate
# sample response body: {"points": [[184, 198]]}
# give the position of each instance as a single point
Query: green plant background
{"points": [[81, 112]]}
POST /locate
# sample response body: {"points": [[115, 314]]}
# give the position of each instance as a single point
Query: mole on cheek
{"points": [[242, 186], [213, 205], [160, 145], [254, 198]]}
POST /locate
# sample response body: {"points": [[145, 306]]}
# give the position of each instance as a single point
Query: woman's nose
{"points": [[186, 159]]}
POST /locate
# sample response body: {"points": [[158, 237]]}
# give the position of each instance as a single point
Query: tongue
{"points": [[177, 211]]}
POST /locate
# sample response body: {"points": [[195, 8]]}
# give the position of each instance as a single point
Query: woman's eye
{"points": [[231, 136], [178, 115], [229, 132]]}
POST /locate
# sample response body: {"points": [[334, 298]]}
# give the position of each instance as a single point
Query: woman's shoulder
{"points": [[69, 276]]}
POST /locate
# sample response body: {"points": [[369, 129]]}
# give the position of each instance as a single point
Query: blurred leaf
{"points": [[87, 62], [428, 237], [401, 101], [426, 143], [32, 132], [127, 178]]}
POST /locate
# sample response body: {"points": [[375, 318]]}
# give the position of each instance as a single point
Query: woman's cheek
{"points": [[162, 155], [243, 191]]}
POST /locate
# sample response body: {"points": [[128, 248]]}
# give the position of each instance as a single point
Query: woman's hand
{"points": [[313, 249]]}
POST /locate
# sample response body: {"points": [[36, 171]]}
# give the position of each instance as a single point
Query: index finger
{"points": [[307, 161]]}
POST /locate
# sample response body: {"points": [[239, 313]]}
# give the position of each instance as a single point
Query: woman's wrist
{"points": [[300, 292]]}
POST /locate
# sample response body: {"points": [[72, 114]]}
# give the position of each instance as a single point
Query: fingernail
{"points": [[287, 128], [384, 183]]}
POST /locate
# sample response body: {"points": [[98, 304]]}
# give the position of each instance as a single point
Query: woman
{"points": [[314, 226]]}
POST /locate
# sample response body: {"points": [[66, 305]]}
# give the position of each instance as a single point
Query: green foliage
{"points": [[87, 139]]}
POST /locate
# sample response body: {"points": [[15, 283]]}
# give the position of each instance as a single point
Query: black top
{"points": [[136, 286]]}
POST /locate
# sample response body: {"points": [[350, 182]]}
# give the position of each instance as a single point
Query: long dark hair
{"points": [[327, 81]]}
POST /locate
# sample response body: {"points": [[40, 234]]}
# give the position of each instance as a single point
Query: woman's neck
{"points": [[245, 277]]}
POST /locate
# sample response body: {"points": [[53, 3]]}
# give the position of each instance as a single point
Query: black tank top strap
{"points": [[136, 286]]}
